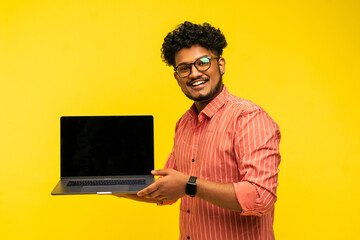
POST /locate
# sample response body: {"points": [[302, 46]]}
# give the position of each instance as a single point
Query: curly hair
{"points": [[188, 34]]}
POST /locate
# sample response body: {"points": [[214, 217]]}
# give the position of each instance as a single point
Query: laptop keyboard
{"points": [[107, 182]]}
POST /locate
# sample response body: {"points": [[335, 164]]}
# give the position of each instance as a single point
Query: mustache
{"points": [[197, 79]]}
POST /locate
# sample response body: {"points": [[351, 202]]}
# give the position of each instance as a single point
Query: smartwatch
{"points": [[191, 187]]}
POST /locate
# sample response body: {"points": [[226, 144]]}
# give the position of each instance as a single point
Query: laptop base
{"points": [[62, 189]]}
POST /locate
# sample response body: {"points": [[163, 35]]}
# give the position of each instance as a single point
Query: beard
{"points": [[211, 95]]}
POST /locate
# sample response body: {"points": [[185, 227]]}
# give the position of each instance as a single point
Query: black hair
{"points": [[188, 34]]}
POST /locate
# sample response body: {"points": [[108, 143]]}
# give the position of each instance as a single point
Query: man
{"points": [[224, 163]]}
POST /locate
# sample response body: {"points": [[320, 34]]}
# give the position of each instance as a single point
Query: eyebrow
{"points": [[194, 60]]}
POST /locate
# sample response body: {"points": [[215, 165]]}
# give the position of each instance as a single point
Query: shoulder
{"points": [[241, 105], [246, 110]]}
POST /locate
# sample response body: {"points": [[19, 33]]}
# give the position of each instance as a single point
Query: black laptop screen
{"points": [[107, 146]]}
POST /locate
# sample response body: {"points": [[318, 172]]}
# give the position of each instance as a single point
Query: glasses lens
{"points": [[202, 64], [183, 70]]}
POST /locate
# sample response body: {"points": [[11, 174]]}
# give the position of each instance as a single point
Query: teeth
{"points": [[197, 83]]}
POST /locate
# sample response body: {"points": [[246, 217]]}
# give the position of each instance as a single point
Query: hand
{"points": [[123, 195], [170, 186], [136, 198]]}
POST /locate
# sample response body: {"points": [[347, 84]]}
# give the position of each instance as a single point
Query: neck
{"points": [[200, 105]]}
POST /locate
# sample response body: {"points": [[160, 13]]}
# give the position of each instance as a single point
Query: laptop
{"points": [[105, 154]]}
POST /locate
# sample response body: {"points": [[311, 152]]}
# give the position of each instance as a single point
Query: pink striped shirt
{"points": [[234, 141]]}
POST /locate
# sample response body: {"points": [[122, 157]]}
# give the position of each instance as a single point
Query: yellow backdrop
{"points": [[299, 60]]}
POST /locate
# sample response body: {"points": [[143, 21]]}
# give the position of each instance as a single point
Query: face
{"points": [[201, 87]]}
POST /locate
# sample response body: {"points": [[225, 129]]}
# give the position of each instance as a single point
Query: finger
{"points": [[161, 198], [156, 194], [150, 189], [160, 172]]}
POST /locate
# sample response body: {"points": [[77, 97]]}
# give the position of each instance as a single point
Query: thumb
{"points": [[160, 172]]}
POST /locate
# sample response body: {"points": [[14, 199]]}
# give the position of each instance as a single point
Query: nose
{"points": [[194, 72]]}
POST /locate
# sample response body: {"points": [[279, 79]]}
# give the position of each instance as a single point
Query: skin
{"points": [[204, 93], [171, 184]]}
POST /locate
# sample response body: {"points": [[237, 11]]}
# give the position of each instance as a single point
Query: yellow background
{"points": [[299, 60]]}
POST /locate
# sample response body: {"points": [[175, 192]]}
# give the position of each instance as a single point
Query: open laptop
{"points": [[105, 154]]}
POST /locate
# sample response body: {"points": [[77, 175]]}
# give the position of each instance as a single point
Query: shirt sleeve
{"points": [[256, 148]]}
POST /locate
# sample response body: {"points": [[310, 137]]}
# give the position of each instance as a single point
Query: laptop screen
{"points": [[107, 146]]}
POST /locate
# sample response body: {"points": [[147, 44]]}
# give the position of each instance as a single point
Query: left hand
{"points": [[170, 186]]}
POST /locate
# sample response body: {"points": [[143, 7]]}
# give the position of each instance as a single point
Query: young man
{"points": [[224, 163]]}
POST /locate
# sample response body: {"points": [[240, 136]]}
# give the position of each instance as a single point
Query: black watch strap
{"points": [[191, 187]]}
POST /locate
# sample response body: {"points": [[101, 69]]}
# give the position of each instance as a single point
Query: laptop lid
{"points": [[103, 146]]}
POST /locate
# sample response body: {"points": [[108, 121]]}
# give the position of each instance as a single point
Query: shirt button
{"points": [[188, 211], [193, 160], [188, 237]]}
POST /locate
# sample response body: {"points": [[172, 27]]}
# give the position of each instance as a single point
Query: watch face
{"points": [[190, 189]]}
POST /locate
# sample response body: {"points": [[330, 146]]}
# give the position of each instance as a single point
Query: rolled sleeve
{"points": [[257, 152], [246, 196]]}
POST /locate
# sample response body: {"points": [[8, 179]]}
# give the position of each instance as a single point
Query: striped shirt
{"points": [[231, 140]]}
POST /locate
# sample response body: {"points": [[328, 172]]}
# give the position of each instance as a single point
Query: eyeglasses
{"points": [[202, 64]]}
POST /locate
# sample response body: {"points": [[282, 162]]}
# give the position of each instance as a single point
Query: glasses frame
{"points": [[190, 65]]}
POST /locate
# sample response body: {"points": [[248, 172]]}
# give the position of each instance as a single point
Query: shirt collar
{"points": [[213, 106]]}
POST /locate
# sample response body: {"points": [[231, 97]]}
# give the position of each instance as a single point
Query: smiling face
{"points": [[201, 87]]}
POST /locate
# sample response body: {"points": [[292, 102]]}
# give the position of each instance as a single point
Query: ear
{"points": [[177, 78], [222, 65]]}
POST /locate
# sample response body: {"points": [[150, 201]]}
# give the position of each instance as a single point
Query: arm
{"points": [[172, 186], [219, 194], [256, 147]]}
